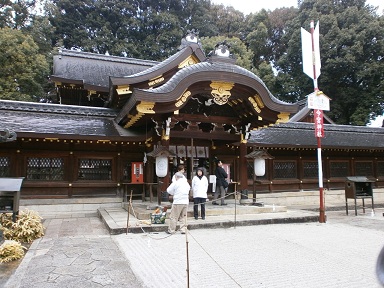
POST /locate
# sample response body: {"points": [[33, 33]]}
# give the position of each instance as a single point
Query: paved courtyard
{"points": [[79, 252], [340, 253]]}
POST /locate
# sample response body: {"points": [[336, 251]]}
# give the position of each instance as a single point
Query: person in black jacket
{"points": [[221, 175]]}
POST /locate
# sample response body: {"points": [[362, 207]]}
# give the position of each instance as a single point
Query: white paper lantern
{"points": [[259, 165], [161, 166]]}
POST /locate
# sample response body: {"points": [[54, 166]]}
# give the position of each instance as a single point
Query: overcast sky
{"points": [[252, 6]]}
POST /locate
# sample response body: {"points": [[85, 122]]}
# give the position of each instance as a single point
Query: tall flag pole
{"points": [[311, 67]]}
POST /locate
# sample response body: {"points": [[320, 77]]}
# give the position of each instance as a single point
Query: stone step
{"points": [[143, 211], [71, 207]]}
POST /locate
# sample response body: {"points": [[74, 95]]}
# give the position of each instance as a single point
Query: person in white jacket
{"points": [[199, 189], [180, 191]]}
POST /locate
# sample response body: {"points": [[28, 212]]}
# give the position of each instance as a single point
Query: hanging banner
{"points": [[319, 125], [311, 55]]}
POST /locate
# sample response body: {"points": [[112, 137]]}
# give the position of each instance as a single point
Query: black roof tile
{"points": [[303, 135], [95, 69], [26, 117]]}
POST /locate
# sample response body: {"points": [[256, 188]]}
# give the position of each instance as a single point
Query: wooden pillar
{"points": [[70, 171], [243, 165]]}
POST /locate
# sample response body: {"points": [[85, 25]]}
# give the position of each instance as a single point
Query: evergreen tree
{"points": [[351, 48], [22, 69]]}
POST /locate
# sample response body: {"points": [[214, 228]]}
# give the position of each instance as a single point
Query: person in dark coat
{"points": [[221, 175]]}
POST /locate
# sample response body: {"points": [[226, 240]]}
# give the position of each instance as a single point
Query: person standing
{"points": [[221, 175], [180, 168], [199, 189], [180, 192]]}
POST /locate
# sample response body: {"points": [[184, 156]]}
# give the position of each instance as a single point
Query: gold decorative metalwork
{"points": [[57, 84], [254, 104], [156, 80], [124, 89], [243, 140], [189, 61], [259, 101], [221, 92], [142, 108], [164, 136], [283, 117], [183, 98], [133, 119], [145, 107]]}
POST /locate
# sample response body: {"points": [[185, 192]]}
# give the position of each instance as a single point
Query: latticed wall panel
{"points": [[364, 168], [380, 168], [284, 170], [95, 169], [310, 169], [49, 169], [339, 168], [5, 167]]}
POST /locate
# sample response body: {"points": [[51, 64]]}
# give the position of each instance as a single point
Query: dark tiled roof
{"points": [[95, 69], [303, 135], [162, 67], [36, 118], [56, 108]]}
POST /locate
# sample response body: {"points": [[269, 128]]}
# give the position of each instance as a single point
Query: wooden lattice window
{"points": [[46, 169], [284, 170], [339, 169], [95, 169], [5, 170], [310, 169], [380, 168], [363, 168]]}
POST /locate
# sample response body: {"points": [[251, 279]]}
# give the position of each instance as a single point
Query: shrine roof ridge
{"points": [[108, 58]]}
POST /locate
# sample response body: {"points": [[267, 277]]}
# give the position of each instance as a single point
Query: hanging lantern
{"points": [[161, 166], [161, 154], [259, 165], [259, 157]]}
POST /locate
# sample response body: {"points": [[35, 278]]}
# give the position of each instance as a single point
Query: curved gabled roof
{"points": [[197, 78], [162, 67], [217, 71]]}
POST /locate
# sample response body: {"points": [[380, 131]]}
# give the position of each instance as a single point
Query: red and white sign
{"points": [[319, 124]]}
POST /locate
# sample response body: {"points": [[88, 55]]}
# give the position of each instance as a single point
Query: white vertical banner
{"points": [[311, 57], [316, 42]]}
